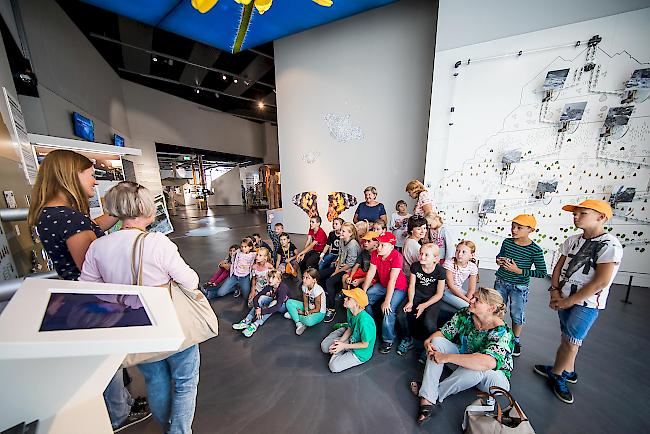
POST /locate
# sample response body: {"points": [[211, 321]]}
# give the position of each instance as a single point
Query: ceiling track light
{"points": [[234, 80], [155, 59], [223, 77], [197, 90]]}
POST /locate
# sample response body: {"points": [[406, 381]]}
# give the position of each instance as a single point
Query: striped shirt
{"points": [[524, 257]]}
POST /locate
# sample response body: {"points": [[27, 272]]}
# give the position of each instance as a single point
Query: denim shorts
{"points": [[575, 323], [515, 295]]}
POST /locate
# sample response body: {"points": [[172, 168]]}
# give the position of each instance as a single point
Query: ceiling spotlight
{"points": [[260, 105], [155, 59], [247, 83], [223, 77], [170, 62], [234, 80], [216, 94], [197, 90]]}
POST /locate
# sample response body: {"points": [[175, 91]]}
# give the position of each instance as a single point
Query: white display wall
{"points": [[482, 109]]}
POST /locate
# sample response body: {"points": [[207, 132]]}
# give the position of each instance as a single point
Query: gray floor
{"points": [[279, 382]]}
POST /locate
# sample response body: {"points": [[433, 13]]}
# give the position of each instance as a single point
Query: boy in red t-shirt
{"points": [[316, 240], [386, 266]]}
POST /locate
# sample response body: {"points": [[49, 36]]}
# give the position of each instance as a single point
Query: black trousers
{"points": [[332, 286], [422, 327], [310, 260]]}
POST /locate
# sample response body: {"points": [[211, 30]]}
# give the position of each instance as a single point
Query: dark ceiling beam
{"points": [[174, 58], [133, 31], [203, 55], [205, 89], [268, 56], [253, 72]]}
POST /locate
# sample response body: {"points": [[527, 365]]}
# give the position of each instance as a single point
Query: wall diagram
{"points": [[536, 144]]}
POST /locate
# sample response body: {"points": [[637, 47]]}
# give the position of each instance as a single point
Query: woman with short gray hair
{"points": [[172, 382]]}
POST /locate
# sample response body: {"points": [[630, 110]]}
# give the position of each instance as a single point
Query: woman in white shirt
{"points": [[172, 382]]}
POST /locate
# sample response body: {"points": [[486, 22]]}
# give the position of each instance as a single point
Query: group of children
{"points": [[412, 271]]}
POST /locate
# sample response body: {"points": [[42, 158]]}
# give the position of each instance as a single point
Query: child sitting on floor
{"points": [[259, 273], [268, 301], [438, 235], [285, 260], [426, 286], [458, 270], [398, 224], [352, 344], [331, 250], [259, 243], [357, 275], [239, 280], [223, 270], [311, 310]]}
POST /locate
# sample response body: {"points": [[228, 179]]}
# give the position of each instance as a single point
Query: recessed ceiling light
{"points": [[234, 80], [155, 59], [223, 77], [197, 90], [260, 105]]}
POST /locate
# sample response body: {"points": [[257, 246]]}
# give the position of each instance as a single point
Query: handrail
{"points": [[9, 287]]}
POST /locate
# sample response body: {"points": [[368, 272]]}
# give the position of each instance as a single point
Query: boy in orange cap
{"points": [[352, 344], [515, 259], [579, 288]]}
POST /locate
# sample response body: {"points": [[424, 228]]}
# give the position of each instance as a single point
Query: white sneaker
{"points": [[300, 328], [287, 316]]}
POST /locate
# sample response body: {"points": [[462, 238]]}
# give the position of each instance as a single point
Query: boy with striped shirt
{"points": [[515, 259]]}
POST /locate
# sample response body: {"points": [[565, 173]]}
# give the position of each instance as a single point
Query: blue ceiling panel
{"points": [[231, 26]]}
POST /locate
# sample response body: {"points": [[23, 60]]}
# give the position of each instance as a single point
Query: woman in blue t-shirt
{"points": [[370, 210]]}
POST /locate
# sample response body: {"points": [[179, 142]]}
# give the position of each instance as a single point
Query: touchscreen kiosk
{"points": [[61, 342]]}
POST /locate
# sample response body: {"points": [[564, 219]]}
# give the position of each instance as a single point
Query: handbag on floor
{"points": [[481, 419], [195, 315]]}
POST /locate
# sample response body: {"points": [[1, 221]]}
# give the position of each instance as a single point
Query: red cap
{"points": [[387, 237]]}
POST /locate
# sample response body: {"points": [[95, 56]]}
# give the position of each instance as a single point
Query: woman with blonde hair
{"points": [[60, 212], [172, 382], [370, 209], [478, 341], [418, 191]]}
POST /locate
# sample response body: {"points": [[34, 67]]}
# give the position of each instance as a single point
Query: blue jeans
{"points": [[377, 292], [516, 296], [118, 399], [327, 261], [229, 285], [171, 389], [575, 323], [264, 301]]}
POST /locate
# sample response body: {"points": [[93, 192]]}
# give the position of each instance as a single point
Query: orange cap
{"points": [[526, 220], [359, 295], [597, 205], [370, 235]]}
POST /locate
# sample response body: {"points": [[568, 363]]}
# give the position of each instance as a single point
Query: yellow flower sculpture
{"points": [[262, 6]]}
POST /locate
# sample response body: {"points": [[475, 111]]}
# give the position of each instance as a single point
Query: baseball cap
{"points": [[386, 237], [526, 220], [369, 236], [597, 205], [359, 295]]}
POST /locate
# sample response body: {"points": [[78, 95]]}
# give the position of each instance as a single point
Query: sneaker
{"points": [[248, 331], [517, 350], [241, 325], [237, 293], [544, 370], [560, 389], [133, 418], [329, 316], [300, 328], [385, 347], [405, 346], [287, 316], [556, 382]]}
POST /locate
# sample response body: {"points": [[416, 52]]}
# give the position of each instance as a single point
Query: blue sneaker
{"points": [[405, 346], [543, 370], [558, 383]]}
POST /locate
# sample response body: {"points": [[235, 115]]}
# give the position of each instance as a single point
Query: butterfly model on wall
{"points": [[338, 202]]}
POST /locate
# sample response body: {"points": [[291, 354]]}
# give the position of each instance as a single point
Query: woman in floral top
{"points": [[478, 341]]}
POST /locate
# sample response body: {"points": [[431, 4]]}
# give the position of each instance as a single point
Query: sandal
{"points": [[414, 386], [426, 410]]}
